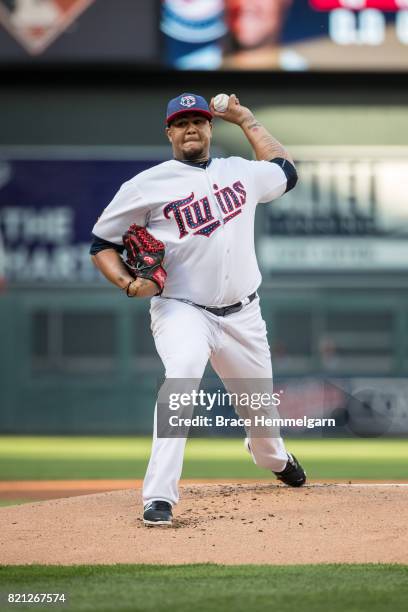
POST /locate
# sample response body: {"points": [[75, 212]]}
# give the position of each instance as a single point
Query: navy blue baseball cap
{"points": [[187, 103]]}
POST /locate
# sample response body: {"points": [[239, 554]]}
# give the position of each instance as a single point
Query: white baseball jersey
{"points": [[205, 217]]}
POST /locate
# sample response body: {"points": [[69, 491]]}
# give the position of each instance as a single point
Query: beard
{"points": [[194, 153]]}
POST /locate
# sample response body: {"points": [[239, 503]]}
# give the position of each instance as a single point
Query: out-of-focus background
{"points": [[83, 90]]}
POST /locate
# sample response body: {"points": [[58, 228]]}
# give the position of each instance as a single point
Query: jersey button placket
{"points": [[227, 259], [220, 238], [227, 252]]}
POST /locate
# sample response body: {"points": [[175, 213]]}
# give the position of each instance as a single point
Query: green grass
{"points": [[14, 502], [312, 588], [43, 458]]}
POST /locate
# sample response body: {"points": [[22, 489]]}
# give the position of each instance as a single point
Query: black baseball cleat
{"points": [[293, 475], [158, 513]]}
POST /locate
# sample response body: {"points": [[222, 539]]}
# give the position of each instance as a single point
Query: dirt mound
{"points": [[231, 524]]}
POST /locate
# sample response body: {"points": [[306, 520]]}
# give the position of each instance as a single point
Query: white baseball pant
{"points": [[186, 336]]}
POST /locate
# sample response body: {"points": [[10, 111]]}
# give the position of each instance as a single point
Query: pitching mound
{"points": [[230, 524]]}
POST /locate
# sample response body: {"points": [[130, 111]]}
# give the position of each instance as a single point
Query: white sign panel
{"points": [[349, 211]]}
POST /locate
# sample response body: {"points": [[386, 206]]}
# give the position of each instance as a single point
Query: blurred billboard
{"points": [[49, 202], [34, 32], [348, 213], [288, 35]]}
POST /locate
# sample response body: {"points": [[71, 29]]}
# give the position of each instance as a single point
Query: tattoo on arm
{"points": [[253, 126], [263, 143], [270, 141]]}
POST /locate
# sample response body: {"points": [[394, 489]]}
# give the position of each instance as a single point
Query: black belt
{"points": [[226, 310]]}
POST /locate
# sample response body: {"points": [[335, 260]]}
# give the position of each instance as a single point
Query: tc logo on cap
{"points": [[188, 101]]}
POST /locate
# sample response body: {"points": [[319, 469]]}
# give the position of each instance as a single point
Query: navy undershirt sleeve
{"points": [[99, 244], [289, 170]]}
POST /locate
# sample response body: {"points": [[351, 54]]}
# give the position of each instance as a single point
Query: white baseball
{"points": [[221, 102]]}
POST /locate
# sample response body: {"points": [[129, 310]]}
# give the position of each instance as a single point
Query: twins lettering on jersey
{"points": [[193, 213]]}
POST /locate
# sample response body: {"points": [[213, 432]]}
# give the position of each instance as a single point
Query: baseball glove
{"points": [[144, 255]]}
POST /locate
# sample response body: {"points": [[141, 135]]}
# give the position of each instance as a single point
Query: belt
{"points": [[226, 310]]}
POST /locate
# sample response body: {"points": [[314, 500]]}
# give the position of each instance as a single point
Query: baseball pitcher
{"points": [[188, 229]]}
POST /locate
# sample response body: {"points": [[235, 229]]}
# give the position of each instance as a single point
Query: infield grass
{"points": [[312, 588], [48, 458]]}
